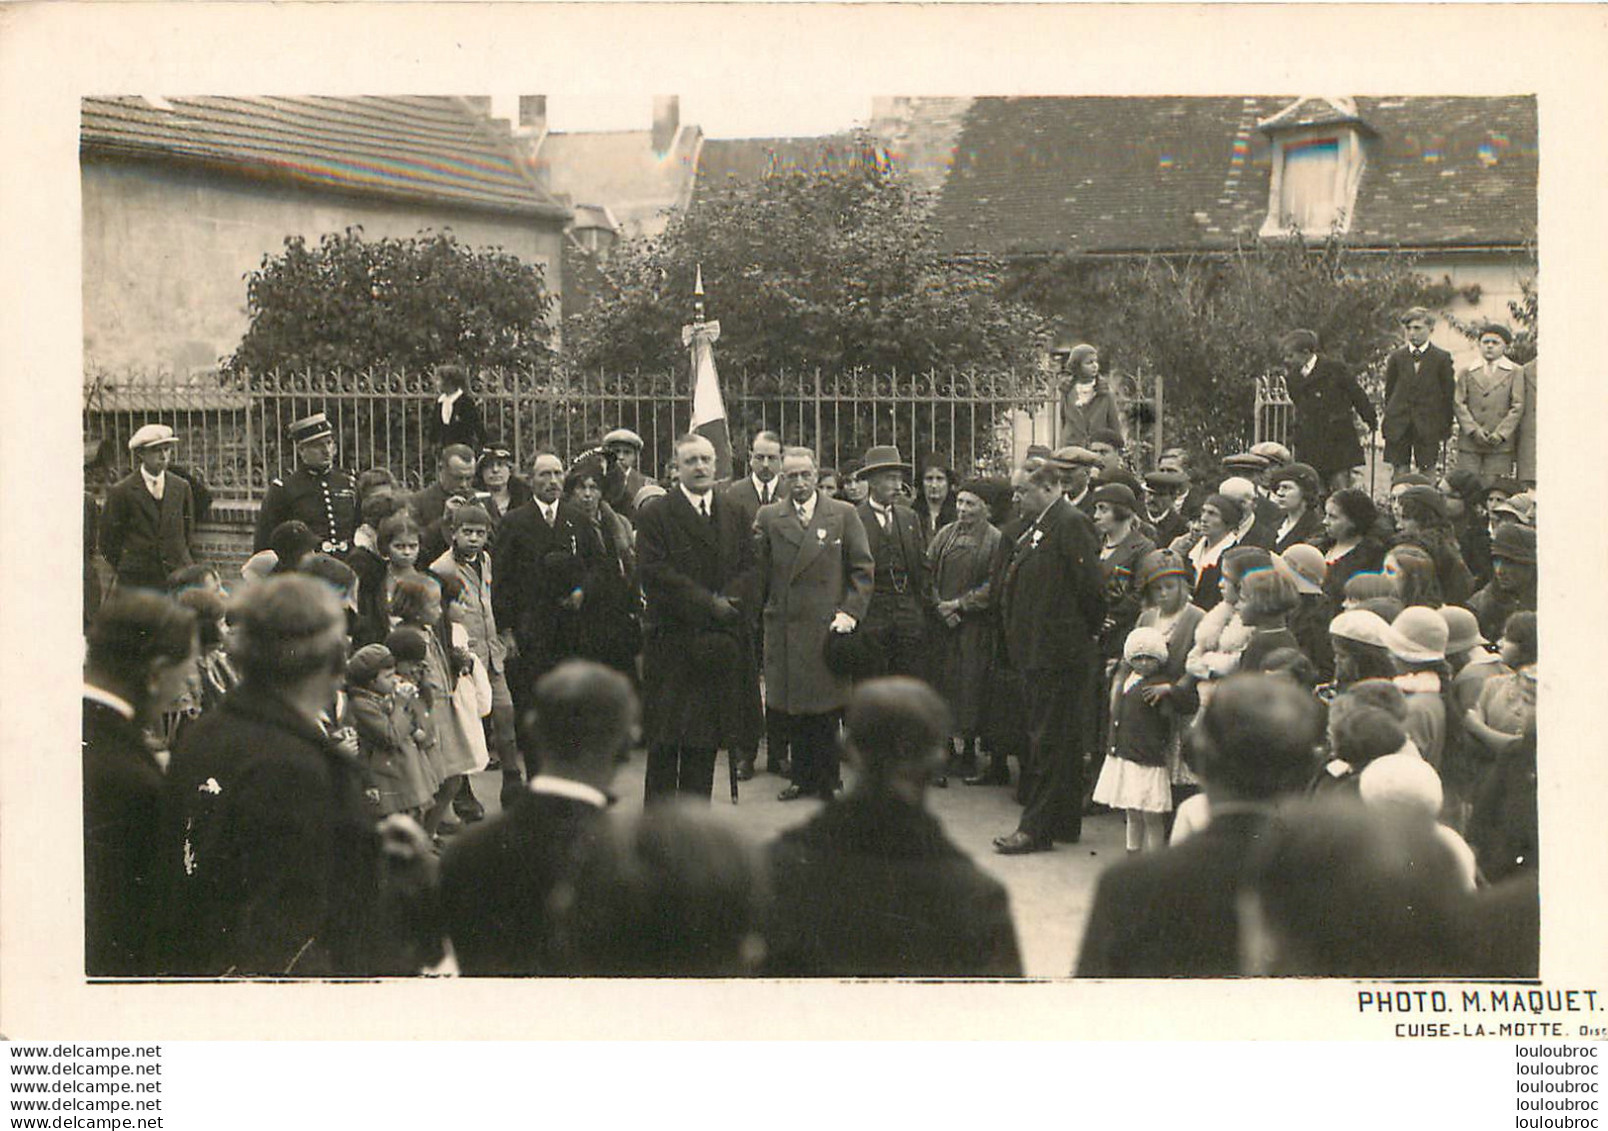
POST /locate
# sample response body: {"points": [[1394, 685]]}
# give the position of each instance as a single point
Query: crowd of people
{"points": [[1288, 688]]}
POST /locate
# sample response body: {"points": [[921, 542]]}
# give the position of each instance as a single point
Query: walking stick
{"points": [[731, 772]]}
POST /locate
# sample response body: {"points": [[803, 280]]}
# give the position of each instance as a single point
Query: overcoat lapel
{"points": [[814, 538]]}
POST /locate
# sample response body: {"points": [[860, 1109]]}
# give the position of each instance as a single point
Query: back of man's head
{"points": [[287, 629], [895, 724], [131, 629], [1256, 737], [671, 894], [585, 715], [1340, 890]]}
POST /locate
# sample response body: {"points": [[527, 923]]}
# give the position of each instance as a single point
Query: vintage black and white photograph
{"points": [[1004, 536], [812, 534]]}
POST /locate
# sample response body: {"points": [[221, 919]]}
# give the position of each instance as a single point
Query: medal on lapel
{"points": [[820, 533], [1038, 536]]}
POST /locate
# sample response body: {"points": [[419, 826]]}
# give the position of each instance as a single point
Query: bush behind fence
{"points": [[232, 426]]}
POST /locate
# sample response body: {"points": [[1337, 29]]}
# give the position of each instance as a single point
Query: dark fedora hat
{"points": [[882, 458]]}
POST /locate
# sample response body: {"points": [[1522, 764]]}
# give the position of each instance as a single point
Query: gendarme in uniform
{"points": [[324, 498]]}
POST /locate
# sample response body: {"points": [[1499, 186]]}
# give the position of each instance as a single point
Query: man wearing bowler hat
{"points": [[1163, 492], [317, 492], [149, 520], [816, 570], [893, 619]]}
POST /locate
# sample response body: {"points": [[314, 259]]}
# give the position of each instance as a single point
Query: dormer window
{"points": [[1317, 158]]}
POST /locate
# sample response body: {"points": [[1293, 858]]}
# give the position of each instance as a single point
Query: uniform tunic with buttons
{"points": [[325, 500]]}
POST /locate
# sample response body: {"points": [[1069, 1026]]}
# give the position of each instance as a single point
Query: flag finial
{"points": [[698, 297]]}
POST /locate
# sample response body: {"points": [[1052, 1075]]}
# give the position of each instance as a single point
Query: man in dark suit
{"points": [[1053, 603], [276, 862], [536, 560], [455, 475], [695, 559], [500, 881], [759, 488], [893, 620], [815, 567], [149, 519], [872, 887], [1420, 380], [1172, 914], [142, 650], [1323, 395]]}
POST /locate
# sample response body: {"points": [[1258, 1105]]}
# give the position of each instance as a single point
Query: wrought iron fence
{"points": [[232, 427], [1271, 420]]}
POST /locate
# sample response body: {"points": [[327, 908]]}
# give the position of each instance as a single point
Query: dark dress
{"points": [[1367, 556], [607, 628], [871, 887], [959, 567]]}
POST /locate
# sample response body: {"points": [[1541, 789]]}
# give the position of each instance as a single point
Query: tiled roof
{"points": [[621, 171], [751, 159], [431, 149], [1173, 174]]}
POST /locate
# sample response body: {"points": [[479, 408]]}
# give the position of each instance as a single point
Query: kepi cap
{"points": [[310, 428]]}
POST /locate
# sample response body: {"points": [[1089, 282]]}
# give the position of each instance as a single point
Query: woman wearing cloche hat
{"points": [[1417, 643]]}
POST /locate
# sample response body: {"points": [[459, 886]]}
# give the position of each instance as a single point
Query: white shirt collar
{"points": [[808, 507], [759, 487], [1306, 370], [698, 501], [154, 482], [107, 699], [549, 510], [555, 786], [449, 398], [1248, 521]]}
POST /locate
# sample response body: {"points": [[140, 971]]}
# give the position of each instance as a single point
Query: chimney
{"points": [[533, 113], [666, 121]]}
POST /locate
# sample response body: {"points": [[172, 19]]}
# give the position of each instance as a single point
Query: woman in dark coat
{"points": [[1003, 723], [1351, 543], [1296, 494], [959, 575], [1464, 496], [1122, 548], [1221, 517], [607, 627], [1424, 523]]}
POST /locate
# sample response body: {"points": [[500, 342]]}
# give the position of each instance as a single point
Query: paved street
{"points": [[1050, 891]]}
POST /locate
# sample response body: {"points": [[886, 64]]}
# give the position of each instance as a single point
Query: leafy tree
{"points": [[352, 303], [835, 268], [1209, 324]]}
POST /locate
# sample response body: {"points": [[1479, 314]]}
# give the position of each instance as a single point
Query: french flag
{"points": [[708, 407]]}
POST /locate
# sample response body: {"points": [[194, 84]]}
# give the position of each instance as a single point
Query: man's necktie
{"points": [[765, 496]]}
